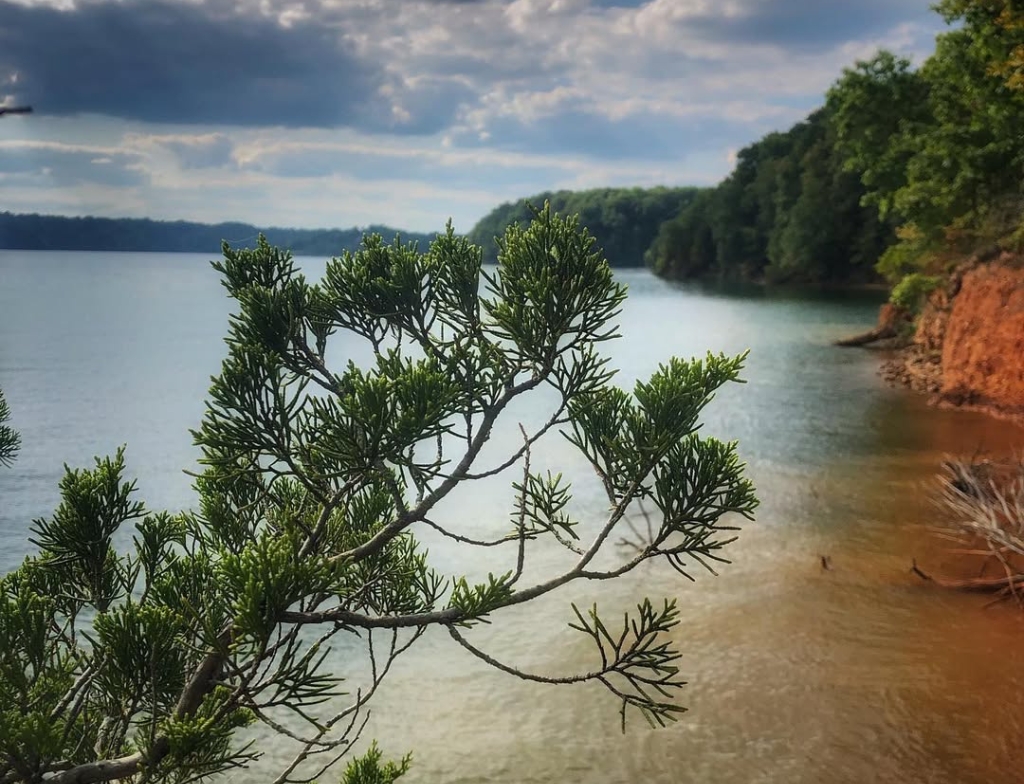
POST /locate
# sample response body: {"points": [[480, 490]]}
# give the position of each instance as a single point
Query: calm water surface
{"points": [[859, 674]]}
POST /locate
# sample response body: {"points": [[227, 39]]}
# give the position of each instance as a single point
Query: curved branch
{"points": [[111, 770], [349, 618], [403, 521], [465, 539], [199, 685], [556, 419], [457, 636]]}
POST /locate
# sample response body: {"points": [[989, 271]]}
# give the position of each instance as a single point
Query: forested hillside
{"points": [[624, 221], [940, 149], [901, 174], [787, 213], [51, 232]]}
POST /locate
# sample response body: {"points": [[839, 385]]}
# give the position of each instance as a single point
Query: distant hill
{"points": [[54, 232], [624, 221]]}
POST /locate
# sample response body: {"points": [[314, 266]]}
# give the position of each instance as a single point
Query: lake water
{"points": [[861, 673]]}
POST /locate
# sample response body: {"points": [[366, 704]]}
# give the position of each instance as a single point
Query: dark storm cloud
{"points": [[809, 24], [181, 63]]}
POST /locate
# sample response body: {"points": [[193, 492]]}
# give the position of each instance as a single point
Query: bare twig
{"points": [[984, 502]]}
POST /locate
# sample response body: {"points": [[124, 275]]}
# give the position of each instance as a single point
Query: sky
{"points": [[338, 113]]}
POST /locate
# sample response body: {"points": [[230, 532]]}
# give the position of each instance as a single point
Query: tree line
{"points": [[53, 232], [901, 174], [622, 220], [939, 149], [788, 213]]}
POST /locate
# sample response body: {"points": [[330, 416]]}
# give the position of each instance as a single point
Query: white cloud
{"points": [[189, 151]]}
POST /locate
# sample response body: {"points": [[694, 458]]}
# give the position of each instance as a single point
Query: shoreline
{"points": [[905, 368], [966, 350], [951, 377]]}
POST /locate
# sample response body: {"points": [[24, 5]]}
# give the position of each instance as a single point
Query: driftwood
{"points": [[883, 332], [984, 503], [979, 584]]}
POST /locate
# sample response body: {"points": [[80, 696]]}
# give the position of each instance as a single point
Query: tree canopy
{"points": [[788, 213], [318, 482], [912, 168], [940, 148], [624, 221], [55, 232], [876, 110]]}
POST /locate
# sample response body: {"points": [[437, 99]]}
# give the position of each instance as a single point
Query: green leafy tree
{"points": [[685, 246], [967, 176], [144, 664], [788, 213], [878, 109], [940, 148], [624, 221], [825, 235], [999, 27], [911, 293]]}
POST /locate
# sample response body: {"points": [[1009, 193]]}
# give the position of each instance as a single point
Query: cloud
{"points": [[804, 24], [324, 111], [642, 127], [191, 151], [516, 172], [586, 133], [172, 62], [422, 67], [417, 106], [70, 165], [619, 80]]}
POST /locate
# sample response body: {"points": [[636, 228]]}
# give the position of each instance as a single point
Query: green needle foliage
{"points": [[10, 441], [145, 664]]}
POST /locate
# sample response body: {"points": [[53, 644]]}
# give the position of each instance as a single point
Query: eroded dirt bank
{"points": [[968, 346]]}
